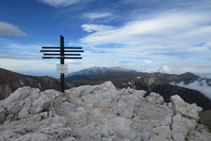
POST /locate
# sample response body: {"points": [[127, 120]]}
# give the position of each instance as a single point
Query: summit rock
{"points": [[99, 112]]}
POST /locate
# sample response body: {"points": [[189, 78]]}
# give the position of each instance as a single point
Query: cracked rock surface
{"points": [[97, 113]]}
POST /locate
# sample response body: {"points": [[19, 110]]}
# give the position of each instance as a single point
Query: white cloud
{"points": [[24, 46], [96, 15], [12, 56], [208, 75], [196, 70], [72, 62], [63, 3], [9, 29], [162, 69], [172, 24], [166, 39], [148, 61], [94, 27], [26, 64], [26, 58], [11, 49]]}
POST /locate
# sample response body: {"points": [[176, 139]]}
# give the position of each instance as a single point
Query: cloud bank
{"points": [[201, 86], [176, 37]]}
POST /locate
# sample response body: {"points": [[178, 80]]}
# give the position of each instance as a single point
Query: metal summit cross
{"points": [[61, 68]]}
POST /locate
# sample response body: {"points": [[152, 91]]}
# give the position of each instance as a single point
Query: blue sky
{"points": [[144, 35]]}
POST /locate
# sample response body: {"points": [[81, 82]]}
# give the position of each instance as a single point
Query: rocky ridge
{"points": [[10, 81], [99, 112]]}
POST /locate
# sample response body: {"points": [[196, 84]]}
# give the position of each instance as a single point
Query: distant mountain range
{"points": [[10, 81], [162, 83], [192, 88], [100, 70]]}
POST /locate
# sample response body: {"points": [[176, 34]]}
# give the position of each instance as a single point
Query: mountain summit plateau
{"points": [[99, 112]]}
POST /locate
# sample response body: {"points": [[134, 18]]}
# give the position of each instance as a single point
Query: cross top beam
{"points": [[60, 53]]}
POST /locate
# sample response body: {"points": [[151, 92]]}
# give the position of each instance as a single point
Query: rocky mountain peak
{"points": [[189, 75], [100, 70], [96, 67], [99, 112], [118, 68]]}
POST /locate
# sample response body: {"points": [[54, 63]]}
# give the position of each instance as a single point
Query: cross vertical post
{"points": [[62, 62]]}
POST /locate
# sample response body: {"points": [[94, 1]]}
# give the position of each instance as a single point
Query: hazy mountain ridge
{"points": [[10, 81], [100, 70], [100, 112]]}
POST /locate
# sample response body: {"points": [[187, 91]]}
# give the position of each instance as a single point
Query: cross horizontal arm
{"points": [[73, 51], [51, 54], [61, 57], [64, 47], [51, 47], [73, 54], [49, 50], [72, 47], [59, 54], [72, 57], [59, 51]]}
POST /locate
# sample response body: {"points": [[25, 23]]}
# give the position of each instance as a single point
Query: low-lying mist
{"points": [[202, 86]]}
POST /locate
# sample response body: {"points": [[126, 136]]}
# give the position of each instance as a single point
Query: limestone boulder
{"points": [[126, 128], [155, 98], [179, 106], [181, 126]]}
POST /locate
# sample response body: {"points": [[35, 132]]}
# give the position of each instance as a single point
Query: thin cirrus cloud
{"points": [[62, 3], [164, 34], [94, 27], [171, 25], [14, 50], [9, 29], [11, 56], [97, 15]]}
